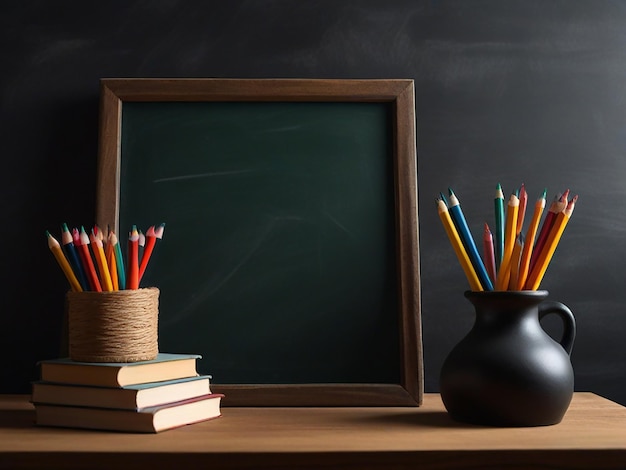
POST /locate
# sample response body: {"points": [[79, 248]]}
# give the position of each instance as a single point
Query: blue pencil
{"points": [[72, 256], [466, 237]]}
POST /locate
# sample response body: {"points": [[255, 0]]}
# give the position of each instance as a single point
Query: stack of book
{"points": [[147, 396]]}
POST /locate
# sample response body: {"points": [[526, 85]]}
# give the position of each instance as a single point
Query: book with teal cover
{"points": [[166, 366]]}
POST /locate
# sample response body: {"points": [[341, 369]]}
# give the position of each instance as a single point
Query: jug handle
{"points": [[569, 322]]}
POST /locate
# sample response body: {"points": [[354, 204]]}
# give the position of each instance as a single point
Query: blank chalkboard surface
{"points": [[289, 259]]}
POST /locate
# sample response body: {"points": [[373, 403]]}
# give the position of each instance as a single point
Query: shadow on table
{"points": [[433, 419]]}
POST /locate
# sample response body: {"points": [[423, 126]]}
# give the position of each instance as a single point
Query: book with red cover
{"points": [[145, 420]]}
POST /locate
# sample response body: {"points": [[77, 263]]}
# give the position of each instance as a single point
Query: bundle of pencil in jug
{"points": [[95, 261], [510, 260]]}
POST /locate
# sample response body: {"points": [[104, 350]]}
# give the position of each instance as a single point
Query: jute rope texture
{"points": [[119, 326]]}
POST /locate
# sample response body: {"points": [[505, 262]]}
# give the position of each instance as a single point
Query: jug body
{"points": [[507, 371]]}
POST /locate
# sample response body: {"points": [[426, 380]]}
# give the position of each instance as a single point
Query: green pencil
{"points": [[499, 227], [119, 260]]}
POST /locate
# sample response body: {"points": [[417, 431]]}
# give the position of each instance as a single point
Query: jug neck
{"points": [[494, 305]]}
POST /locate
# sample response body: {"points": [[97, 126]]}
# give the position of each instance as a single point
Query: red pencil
{"points": [[132, 276], [81, 241], [489, 254], [98, 234], [159, 231], [141, 245], [558, 205], [543, 260], [152, 235]]}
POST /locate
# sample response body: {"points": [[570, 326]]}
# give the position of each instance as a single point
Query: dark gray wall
{"points": [[507, 91]]}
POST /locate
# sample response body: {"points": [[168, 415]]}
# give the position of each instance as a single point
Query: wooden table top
{"points": [[592, 435]]}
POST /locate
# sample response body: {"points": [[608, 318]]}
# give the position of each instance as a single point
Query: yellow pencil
{"points": [[457, 245], [523, 201], [55, 247], [558, 205], [543, 260], [504, 273], [112, 263], [515, 259], [524, 263], [103, 268]]}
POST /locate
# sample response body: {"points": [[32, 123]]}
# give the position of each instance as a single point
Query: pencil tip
{"points": [[159, 231]]}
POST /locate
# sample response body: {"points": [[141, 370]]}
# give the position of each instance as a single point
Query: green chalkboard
{"points": [[281, 261]]}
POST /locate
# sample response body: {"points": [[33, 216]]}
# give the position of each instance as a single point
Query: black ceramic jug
{"points": [[508, 371]]}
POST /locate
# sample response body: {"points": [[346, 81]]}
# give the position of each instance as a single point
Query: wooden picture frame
{"points": [[398, 97]]}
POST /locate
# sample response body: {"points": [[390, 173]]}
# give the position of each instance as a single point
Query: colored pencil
{"points": [[463, 230], [443, 198], [109, 252], [543, 260], [141, 244], [55, 248], [103, 267], [558, 205], [72, 256], [152, 235], [521, 213], [98, 233], [132, 274], [504, 274], [489, 254], [458, 247], [158, 232], [499, 227], [96, 261], [515, 259], [529, 242], [119, 260], [81, 242], [149, 242]]}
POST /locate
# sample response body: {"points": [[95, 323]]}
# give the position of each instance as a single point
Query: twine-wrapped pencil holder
{"points": [[118, 326]]}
